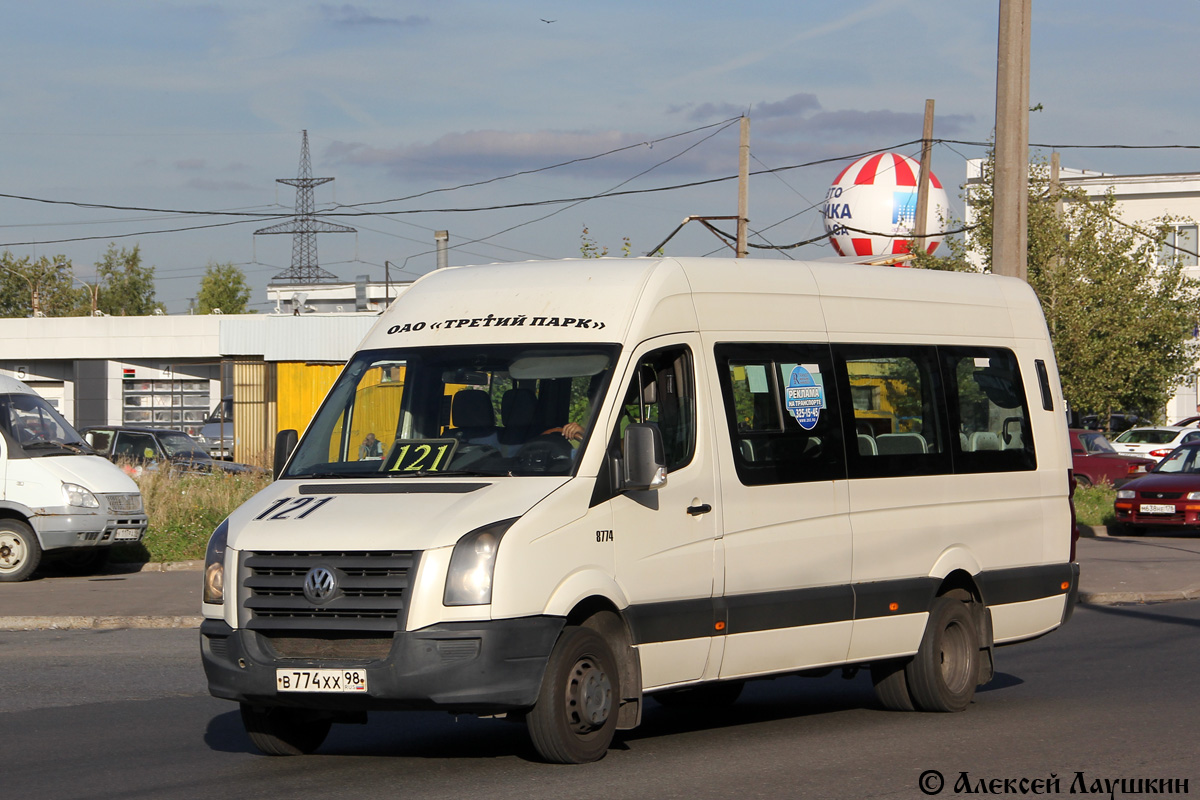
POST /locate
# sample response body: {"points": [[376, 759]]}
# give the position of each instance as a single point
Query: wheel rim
{"points": [[589, 696], [955, 657], [13, 552]]}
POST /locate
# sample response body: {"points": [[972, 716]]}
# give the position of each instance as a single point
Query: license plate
{"points": [[127, 535], [1152, 508], [320, 680]]}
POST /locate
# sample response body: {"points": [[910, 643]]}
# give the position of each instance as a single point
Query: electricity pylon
{"points": [[304, 227]]}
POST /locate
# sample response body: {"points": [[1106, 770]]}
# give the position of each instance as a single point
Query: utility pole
{"points": [[920, 228], [1010, 195], [743, 188]]}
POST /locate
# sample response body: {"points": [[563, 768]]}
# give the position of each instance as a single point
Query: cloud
{"points": [[488, 152], [190, 164], [802, 114], [796, 105], [209, 185], [350, 15], [794, 130]]}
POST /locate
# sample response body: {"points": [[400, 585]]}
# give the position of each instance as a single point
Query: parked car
{"points": [[1117, 422], [1094, 460], [1187, 422], [217, 434], [1155, 442], [154, 447], [1168, 495]]}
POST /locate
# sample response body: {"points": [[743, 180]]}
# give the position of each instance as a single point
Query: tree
{"points": [[50, 277], [223, 287], [1122, 318], [588, 247], [126, 288]]}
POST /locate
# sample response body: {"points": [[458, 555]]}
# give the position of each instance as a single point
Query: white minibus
{"points": [[551, 490], [57, 496]]}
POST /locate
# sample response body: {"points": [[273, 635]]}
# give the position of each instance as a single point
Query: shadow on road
{"points": [[1146, 612]]}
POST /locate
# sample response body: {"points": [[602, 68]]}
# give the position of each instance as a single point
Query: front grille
{"points": [[371, 594], [330, 646], [124, 502]]}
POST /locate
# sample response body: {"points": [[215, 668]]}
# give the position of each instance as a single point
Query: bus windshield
{"points": [[479, 410]]}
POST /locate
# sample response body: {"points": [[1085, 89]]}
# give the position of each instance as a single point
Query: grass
{"points": [[1094, 504], [183, 511]]}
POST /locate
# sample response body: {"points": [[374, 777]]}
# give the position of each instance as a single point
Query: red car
{"points": [[1168, 495], [1094, 460]]}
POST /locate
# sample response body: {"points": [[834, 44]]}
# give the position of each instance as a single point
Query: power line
{"points": [[259, 216]]}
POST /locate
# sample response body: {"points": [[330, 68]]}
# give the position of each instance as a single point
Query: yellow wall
{"points": [[301, 387]]}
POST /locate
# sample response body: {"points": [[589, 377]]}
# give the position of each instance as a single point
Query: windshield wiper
{"points": [[64, 448]]}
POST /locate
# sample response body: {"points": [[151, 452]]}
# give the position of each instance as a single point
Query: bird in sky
{"points": [[548, 21]]}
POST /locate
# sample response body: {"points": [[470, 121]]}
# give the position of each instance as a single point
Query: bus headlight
{"points": [[214, 565], [469, 577]]}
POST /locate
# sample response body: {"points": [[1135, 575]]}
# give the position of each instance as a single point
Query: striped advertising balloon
{"points": [[871, 209]]}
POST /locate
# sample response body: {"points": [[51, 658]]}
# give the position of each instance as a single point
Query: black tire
{"points": [[944, 673], [284, 731], [1082, 480], [710, 695], [82, 561], [20, 551], [575, 716], [891, 687]]}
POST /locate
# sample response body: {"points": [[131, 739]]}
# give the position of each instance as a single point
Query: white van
{"points": [[602, 480], [56, 495]]}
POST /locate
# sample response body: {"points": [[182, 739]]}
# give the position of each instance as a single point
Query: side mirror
{"points": [[285, 443], [643, 459]]}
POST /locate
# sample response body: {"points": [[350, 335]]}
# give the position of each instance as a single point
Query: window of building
{"points": [[165, 403], [1181, 244]]}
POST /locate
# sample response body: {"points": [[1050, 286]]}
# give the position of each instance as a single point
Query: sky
{"points": [[165, 124]]}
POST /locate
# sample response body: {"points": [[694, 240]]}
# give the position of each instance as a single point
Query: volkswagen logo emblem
{"points": [[320, 584]]}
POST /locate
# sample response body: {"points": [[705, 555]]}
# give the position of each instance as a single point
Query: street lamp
{"points": [[34, 284], [94, 291]]}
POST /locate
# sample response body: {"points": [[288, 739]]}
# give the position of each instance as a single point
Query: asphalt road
{"points": [[125, 714]]}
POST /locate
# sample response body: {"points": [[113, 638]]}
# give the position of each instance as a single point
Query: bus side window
{"points": [[896, 411], [989, 410], [782, 411]]}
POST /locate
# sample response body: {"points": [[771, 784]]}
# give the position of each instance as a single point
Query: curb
{"points": [[1137, 598], [196, 565], [96, 623]]}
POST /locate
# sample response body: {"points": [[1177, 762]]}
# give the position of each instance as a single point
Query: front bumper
{"points": [[59, 528], [1186, 514], [469, 667]]}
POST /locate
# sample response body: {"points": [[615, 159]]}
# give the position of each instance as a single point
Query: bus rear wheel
{"points": [[943, 674]]}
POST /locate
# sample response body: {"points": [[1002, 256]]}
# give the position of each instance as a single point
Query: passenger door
{"points": [[664, 538], [787, 537]]}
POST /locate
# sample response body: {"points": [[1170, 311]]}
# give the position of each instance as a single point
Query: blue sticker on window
{"points": [[805, 398]]}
